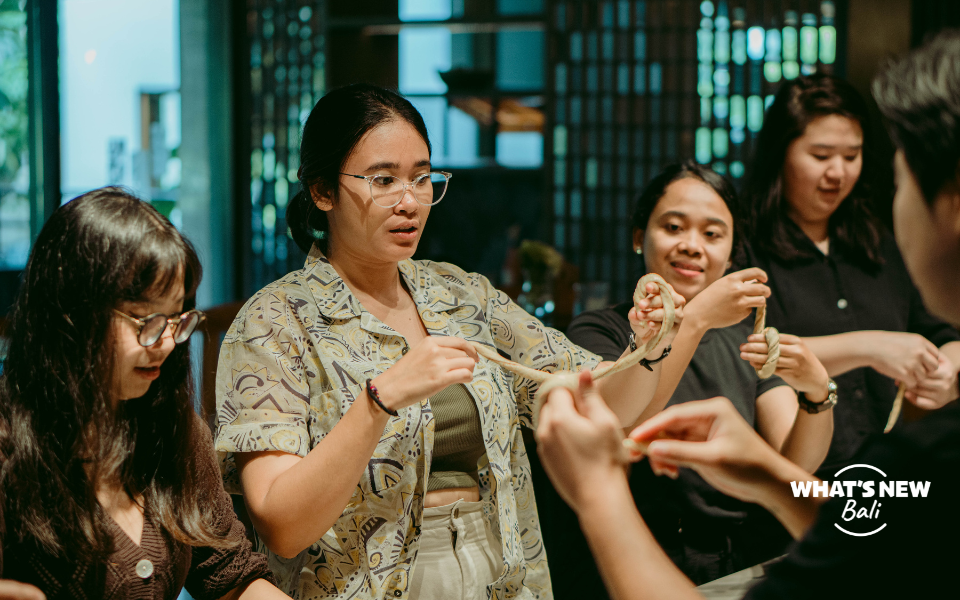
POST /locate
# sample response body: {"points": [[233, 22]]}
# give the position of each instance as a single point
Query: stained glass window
{"points": [[286, 41], [767, 49], [673, 80]]}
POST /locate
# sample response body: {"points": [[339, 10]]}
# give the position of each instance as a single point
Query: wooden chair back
{"points": [[218, 321]]}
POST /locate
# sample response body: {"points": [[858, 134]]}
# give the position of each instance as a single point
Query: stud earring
{"points": [[639, 250]]}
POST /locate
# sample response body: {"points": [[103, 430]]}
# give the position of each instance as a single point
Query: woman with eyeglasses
{"points": [[109, 486], [378, 455]]}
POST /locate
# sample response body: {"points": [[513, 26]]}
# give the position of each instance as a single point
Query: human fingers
{"points": [[752, 273], [757, 289], [938, 395], [455, 376], [931, 360], [678, 299], [754, 358], [450, 353], [792, 351], [925, 358], [459, 362], [449, 341], [754, 347], [787, 339], [918, 372], [754, 301], [936, 385], [942, 377], [681, 452], [654, 295], [908, 378], [14, 590], [922, 401], [664, 468], [556, 410], [653, 302], [787, 363], [656, 315], [587, 400], [690, 419]]}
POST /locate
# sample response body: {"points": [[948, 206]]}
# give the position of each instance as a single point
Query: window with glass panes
{"points": [[637, 84], [286, 73], [15, 209]]}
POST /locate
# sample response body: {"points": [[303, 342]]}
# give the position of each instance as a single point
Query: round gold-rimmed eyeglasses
{"points": [[151, 327], [387, 190]]}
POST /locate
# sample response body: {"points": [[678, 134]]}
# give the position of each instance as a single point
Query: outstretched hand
{"points": [[710, 437], [579, 441]]}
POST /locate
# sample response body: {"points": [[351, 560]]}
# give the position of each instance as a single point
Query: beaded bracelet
{"points": [[375, 396]]}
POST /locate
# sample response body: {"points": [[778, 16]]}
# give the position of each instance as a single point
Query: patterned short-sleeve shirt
{"points": [[295, 360]]}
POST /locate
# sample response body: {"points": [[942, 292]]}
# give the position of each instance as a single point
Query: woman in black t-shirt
{"points": [[684, 226], [837, 277], [913, 553]]}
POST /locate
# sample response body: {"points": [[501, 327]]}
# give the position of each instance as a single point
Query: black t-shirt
{"points": [[716, 369], [836, 293], [916, 554]]}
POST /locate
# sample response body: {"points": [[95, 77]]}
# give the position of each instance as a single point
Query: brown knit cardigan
{"points": [[205, 572]]}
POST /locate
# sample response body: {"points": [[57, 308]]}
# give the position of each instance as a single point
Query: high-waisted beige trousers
{"points": [[458, 556]]}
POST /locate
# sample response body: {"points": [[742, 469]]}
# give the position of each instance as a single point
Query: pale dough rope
{"points": [[895, 411], [773, 355], [551, 381], [772, 337]]}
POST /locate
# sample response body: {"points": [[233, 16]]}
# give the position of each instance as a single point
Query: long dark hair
{"points": [[650, 196], [335, 126], [853, 224], [60, 435]]}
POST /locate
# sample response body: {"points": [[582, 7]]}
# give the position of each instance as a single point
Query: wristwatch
{"points": [[818, 407]]}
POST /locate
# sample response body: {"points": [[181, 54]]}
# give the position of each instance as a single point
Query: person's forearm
{"points": [[628, 393], [306, 500], [632, 564], [684, 347], [796, 513], [809, 439], [259, 588], [843, 352]]}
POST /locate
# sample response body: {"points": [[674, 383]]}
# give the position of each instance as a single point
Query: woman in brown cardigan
{"points": [[108, 482]]}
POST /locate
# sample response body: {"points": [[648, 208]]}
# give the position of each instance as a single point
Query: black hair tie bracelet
{"points": [[375, 396]]}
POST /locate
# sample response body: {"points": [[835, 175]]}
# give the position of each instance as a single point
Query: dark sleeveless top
{"points": [[457, 439]]}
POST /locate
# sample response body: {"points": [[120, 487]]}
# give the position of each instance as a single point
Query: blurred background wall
{"points": [[552, 115]]}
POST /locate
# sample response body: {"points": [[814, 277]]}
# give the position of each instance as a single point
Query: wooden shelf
{"points": [[392, 26]]}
